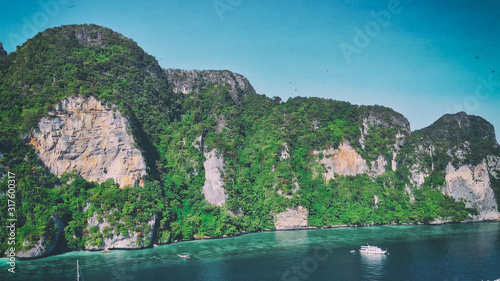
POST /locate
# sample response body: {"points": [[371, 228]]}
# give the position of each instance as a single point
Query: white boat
{"points": [[79, 275], [183, 256], [372, 250]]}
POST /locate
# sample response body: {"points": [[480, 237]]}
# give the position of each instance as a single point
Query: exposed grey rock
{"points": [[343, 161], [89, 36], [439, 221], [494, 166], [285, 154], [378, 166], [212, 188], [418, 171], [119, 241], [380, 117], [400, 140], [40, 249], [346, 161], [418, 174], [193, 81], [294, 190], [198, 143], [315, 124], [221, 123], [292, 218], [409, 192], [471, 184], [84, 136]]}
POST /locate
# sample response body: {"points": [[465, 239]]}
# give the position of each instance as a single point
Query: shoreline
{"points": [[262, 231]]}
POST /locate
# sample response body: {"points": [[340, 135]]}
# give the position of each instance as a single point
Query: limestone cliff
{"points": [[209, 132], [89, 36], [113, 240], [84, 136], [494, 165], [471, 184], [343, 161], [464, 149], [45, 244], [290, 182], [396, 129], [212, 188], [420, 169], [193, 81], [292, 218], [346, 160]]}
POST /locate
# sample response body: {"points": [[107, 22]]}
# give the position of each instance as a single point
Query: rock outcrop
{"points": [[380, 118], [460, 147], [45, 244], [193, 81], [285, 154], [113, 240], [471, 184], [265, 152], [84, 136], [89, 37], [292, 218], [493, 166], [212, 188], [343, 161], [3, 53], [421, 170]]}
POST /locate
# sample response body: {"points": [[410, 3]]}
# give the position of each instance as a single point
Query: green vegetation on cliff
{"points": [[271, 152]]}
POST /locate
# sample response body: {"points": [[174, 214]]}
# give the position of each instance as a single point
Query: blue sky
{"points": [[421, 58]]}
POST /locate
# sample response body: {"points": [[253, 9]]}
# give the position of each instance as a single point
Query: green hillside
{"points": [[272, 151]]}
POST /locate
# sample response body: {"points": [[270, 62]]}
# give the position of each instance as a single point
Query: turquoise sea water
{"points": [[446, 252]]}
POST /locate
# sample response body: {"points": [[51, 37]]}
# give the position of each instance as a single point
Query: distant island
{"points": [[101, 148]]}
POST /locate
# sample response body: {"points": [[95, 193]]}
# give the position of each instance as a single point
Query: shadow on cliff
{"points": [[148, 150]]}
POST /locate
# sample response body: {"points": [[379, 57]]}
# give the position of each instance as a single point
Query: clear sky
{"points": [[421, 58]]}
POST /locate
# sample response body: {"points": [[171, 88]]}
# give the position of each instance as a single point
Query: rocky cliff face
{"points": [[493, 166], [89, 36], [212, 189], [193, 81], [463, 147], [250, 155], [113, 240], [397, 128], [292, 218], [420, 169], [471, 184], [3, 53], [45, 244], [343, 161], [81, 135]]}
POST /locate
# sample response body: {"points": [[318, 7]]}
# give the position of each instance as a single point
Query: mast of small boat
{"points": [[77, 271]]}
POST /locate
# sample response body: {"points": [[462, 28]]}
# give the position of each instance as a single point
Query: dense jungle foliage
{"points": [[251, 134]]}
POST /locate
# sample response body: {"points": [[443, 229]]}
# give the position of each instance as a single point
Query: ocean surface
{"points": [[444, 252]]}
